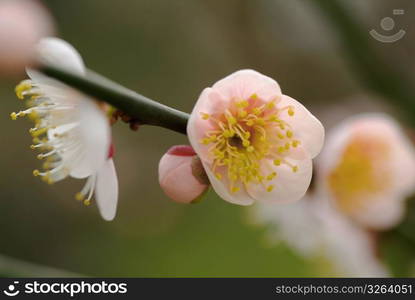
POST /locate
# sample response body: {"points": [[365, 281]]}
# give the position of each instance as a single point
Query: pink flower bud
{"points": [[181, 174], [22, 24]]}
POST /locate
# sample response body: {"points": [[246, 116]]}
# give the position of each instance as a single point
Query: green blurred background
{"points": [[169, 51]]}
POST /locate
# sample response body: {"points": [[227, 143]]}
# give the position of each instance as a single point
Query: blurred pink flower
{"points": [[254, 142], [181, 174], [367, 169], [22, 24], [71, 130]]}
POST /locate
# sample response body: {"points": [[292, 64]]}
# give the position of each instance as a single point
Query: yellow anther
{"points": [[79, 196], [270, 188], [246, 143], [277, 162], [36, 173], [33, 147], [40, 156], [87, 202], [205, 141], [271, 105], [295, 143], [256, 111], [254, 96], [262, 138], [235, 189], [280, 136], [289, 134], [287, 146], [250, 149], [247, 135], [22, 87], [33, 116], [281, 149], [232, 120], [242, 113], [205, 116], [291, 112], [271, 176], [260, 121], [13, 116], [218, 176], [242, 104], [36, 132], [295, 168], [273, 118], [228, 133], [250, 122]]}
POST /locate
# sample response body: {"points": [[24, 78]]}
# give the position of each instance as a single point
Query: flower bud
{"points": [[181, 174]]}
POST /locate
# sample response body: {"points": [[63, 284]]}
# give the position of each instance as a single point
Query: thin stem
{"points": [[377, 75], [145, 110]]}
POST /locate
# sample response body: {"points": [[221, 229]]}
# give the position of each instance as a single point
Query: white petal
{"points": [[307, 128], [106, 190], [58, 52], [289, 186], [94, 137]]}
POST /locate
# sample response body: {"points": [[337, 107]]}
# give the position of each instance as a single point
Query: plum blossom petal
{"points": [[242, 84], [308, 128], [106, 190], [289, 186]]}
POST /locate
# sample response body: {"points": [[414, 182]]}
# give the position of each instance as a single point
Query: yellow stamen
{"points": [[277, 162], [205, 116], [79, 196], [22, 87]]}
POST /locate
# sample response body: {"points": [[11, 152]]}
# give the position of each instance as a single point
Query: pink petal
{"points": [[289, 186], [244, 83], [221, 187], [305, 126]]}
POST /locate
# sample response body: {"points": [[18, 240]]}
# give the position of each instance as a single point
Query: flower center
{"points": [[360, 174], [246, 133]]}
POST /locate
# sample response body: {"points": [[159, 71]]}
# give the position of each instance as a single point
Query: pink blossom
{"points": [[367, 169], [254, 142]]}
